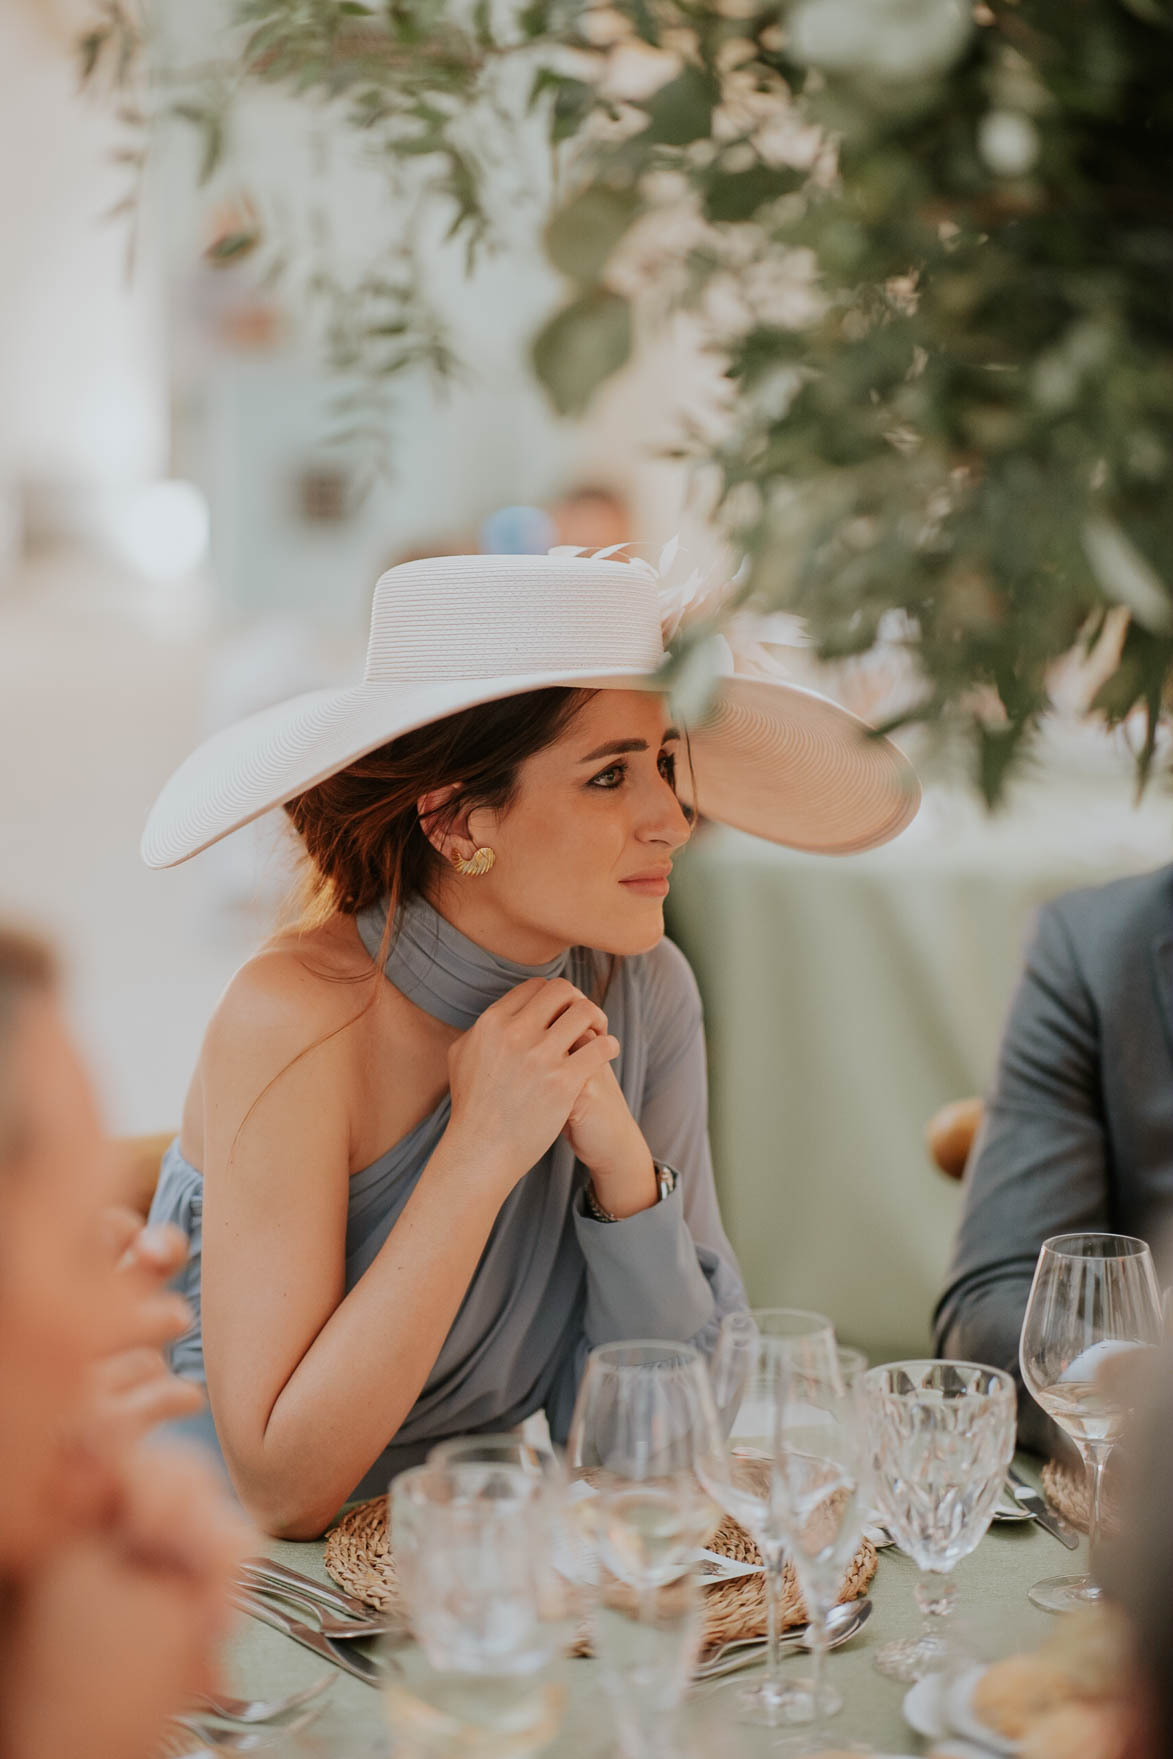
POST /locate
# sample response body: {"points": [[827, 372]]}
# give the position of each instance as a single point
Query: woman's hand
{"points": [[121, 1625], [516, 1074], [607, 1139]]}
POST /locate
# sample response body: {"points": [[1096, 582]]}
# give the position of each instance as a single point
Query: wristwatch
{"points": [[665, 1185]]}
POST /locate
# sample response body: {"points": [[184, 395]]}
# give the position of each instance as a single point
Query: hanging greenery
{"points": [[931, 241]]}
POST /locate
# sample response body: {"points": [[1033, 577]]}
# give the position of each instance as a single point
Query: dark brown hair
{"points": [[361, 829]]}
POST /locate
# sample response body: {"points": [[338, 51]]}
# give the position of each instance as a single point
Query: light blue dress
{"points": [[551, 1282]]}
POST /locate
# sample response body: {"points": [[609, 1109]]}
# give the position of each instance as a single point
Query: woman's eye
{"points": [[668, 767], [611, 778]]}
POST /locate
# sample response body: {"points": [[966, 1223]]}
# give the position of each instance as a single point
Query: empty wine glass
{"points": [[1094, 1300], [643, 1414], [940, 1436], [824, 1484], [753, 1387]]}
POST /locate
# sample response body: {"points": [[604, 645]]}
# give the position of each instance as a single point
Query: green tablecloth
{"points": [[992, 1586], [846, 1000]]}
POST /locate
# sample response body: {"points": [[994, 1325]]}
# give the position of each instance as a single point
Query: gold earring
{"points": [[480, 861]]}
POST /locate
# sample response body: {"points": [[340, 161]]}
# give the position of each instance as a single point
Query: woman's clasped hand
{"points": [[536, 1065]]}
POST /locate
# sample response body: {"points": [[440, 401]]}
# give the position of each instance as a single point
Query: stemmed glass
{"points": [[1094, 1298], [825, 1486], [940, 1436], [643, 1416], [754, 1367]]}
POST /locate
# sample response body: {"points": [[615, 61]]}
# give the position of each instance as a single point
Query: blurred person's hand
{"points": [[132, 1390], [121, 1625]]}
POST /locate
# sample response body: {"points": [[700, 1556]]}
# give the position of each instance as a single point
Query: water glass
{"points": [[940, 1436], [1094, 1316], [760, 1366], [543, 1464]]}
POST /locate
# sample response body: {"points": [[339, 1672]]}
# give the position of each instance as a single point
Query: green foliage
{"points": [[581, 346], [933, 241]]}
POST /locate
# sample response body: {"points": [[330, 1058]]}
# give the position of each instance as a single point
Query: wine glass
{"points": [[643, 1416], [940, 1436], [824, 1483], [754, 1387], [1094, 1298]]}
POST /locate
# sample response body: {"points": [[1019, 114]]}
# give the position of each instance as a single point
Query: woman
{"points": [[87, 1522], [451, 1131]]}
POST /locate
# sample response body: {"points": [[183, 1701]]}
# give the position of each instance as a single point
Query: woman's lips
{"points": [[654, 887]]}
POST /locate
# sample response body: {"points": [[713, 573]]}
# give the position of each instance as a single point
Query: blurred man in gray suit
{"points": [[1078, 1129]]}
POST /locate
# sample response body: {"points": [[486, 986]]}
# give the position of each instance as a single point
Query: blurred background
{"points": [[181, 543]]}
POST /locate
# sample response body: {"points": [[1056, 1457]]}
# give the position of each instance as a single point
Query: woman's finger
{"points": [[572, 1025], [595, 1055], [126, 1369], [164, 1398], [160, 1249]]}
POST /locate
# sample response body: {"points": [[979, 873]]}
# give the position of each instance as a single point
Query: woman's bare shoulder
{"points": [[295, 989]]}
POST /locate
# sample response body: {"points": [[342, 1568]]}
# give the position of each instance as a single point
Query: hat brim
{"points": [[770, 758]]}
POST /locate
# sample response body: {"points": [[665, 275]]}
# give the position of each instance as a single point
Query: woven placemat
{"points": [[358, 1557], [1066, 1487]]}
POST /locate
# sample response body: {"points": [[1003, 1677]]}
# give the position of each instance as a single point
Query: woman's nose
{"points": [[670, 823]]}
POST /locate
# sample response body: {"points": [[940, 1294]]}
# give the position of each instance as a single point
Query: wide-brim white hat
{"points": [[768, 757]]}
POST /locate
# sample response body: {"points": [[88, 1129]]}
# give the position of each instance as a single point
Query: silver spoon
{"points": [[843, 1622]]}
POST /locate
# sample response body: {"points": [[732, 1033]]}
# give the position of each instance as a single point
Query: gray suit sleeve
{"points": [[668, 1272], [1039, 1166]]}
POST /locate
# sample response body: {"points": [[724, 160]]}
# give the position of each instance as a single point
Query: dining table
{"points": [[993, 1618]]}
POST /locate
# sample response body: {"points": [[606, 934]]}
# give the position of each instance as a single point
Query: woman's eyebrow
{"points": [[618, 747]]}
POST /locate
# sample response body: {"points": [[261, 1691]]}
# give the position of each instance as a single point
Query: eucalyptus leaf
{"points": [[681, 111], [1125, 574], [583, 233], [582, 345]]}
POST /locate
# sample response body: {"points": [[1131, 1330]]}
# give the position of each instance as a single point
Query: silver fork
{"points": [[260, 1709]]}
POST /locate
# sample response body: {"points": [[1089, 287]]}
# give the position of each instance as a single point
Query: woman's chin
{"points": [[639, 935]]}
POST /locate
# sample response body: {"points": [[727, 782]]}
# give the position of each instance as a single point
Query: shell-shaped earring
{"points": [[480, 861]]}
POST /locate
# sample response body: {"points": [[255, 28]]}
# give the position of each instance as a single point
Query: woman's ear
{"points": [[448, 838]]}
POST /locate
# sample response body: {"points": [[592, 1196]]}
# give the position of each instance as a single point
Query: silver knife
{"points": [[343, 1655], [1028, 1497]]}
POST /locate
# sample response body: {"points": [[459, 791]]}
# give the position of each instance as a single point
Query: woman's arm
{"points": [[308, 1383], [668, 1271]]}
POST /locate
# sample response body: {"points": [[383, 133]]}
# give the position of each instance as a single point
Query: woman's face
{"points": [[585, 848], [60, 1306]]}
